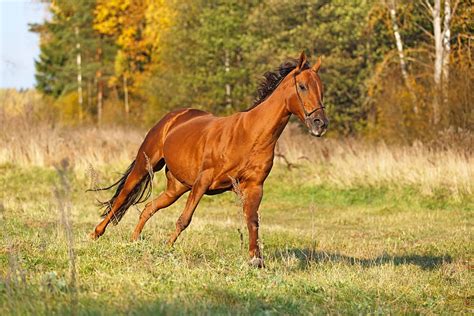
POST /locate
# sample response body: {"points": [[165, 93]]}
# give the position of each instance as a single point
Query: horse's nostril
{"points": [[318, 122]]}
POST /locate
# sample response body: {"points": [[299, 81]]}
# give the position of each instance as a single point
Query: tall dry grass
{"points": [[29, 143], [350, 162], [343, 163]]}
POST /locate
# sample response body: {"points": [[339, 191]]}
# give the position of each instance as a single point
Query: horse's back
{"points": [[185, 147], [152, 146], [176, 118]]}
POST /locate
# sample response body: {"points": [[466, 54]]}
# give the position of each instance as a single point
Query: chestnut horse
{"points": [[206, 154]]}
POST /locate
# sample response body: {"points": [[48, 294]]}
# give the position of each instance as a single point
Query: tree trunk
{"points": [[100, 87], [398, 38], [79, 73], [401, 54], [228, 99], [447, 48], [100, 95], [438, 63], [125, 94], [89, 95]]}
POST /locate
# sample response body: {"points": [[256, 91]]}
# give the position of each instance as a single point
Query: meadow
{"points": [[347, 227]]}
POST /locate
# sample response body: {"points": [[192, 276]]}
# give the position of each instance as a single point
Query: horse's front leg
{"points": [[252, 196], [200, 187]]}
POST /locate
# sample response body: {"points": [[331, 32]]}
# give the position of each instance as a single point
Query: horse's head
{"points": [[306, 101]]}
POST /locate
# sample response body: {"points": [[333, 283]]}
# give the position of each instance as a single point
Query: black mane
{"points": [[271, 80]]}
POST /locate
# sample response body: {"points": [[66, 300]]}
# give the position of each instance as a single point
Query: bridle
{"points": [[306, 113]]}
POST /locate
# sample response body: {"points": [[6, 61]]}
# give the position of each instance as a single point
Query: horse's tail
{"points": [[140, 193]]}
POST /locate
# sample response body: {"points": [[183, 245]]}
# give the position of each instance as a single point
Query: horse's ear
{"points": [[301, 61], [317, 65]]}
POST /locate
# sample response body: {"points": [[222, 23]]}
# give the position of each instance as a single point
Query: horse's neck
{"points": [[268, 120]]}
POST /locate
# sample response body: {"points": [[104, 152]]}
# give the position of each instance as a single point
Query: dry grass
{"points": [[350, 163], [343, 163], [326, 252], [27, 143]]}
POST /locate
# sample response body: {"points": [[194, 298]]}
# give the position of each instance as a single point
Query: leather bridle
{"points": [[306, 113]]}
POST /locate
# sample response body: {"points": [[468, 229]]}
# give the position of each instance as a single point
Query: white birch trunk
{"points": [[79, 73], [401, 54], [439, 55], [100, 88], [398, 38], [442, 38], [438, 38], [446, 47]]}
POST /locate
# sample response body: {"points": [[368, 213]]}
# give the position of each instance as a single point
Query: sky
{"points": [[18, 46]]}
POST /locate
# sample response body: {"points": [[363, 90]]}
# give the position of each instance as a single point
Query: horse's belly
{"points": [[183, 150], [185, 164]]}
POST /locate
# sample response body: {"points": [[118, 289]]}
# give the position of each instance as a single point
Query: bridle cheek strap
{"points": [[307, 114]]}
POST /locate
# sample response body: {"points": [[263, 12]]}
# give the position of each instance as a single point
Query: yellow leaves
{"points": [[132, 22], [108, 15], [137, 27], [159, 18]]}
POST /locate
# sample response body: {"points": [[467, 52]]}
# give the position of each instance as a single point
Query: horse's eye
{"points": [[302, 87]]}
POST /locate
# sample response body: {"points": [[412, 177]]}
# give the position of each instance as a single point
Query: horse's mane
{"points": [[271, 80]]}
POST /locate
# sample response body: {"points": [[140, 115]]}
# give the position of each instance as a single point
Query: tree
{"points": [[442, 48], [391, 4], [202, 61], [136, 28], [72, 52], [379, 65]]}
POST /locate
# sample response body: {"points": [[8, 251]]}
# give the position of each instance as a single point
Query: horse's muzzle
{"points": [[317, 126]]}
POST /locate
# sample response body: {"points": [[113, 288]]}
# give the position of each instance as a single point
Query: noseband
{"points": [[306, 114]]}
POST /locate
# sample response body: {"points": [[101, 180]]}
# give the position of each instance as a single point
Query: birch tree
{"points": [[79, 72], [442, 48], [446, 39], [401, 54]]}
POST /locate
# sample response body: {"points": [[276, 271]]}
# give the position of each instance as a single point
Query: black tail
{"points": [[140, 193]]}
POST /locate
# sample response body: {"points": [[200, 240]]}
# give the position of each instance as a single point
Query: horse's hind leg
{"points": [[137, 174], [200, 187], [174, 190], [133, 179]]}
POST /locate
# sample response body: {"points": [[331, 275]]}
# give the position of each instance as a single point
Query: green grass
{"points": [[358, 250]]}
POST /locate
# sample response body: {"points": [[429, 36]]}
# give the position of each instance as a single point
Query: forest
{"points": [[393, 70]]}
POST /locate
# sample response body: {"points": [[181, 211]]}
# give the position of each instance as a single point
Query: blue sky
{"points": [[18, 47]]}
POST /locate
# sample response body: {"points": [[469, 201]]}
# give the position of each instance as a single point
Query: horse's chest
{"points": [[247, 166]]}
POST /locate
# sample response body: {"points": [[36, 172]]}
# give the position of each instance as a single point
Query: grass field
{"points": [[349, 229]]}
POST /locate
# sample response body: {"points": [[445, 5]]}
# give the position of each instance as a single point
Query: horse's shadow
{"points": [[308, 256]]}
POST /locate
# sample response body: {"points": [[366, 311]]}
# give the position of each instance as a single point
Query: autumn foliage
{"points": [[140, 59]]}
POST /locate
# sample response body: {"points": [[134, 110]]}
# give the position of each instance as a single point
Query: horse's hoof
{"points": [[93, 236], [171, 241], [256, 262]]}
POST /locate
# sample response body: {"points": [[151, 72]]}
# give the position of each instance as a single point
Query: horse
{"points": [[206, 154]]}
